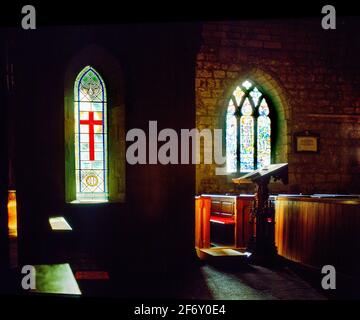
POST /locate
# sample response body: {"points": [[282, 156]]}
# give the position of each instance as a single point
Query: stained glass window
{"points": [[231, 132], [248, 129], [90, 136]]}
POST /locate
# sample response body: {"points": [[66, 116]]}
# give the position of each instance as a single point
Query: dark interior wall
{"points": [[156, 220], [312, 76], [3, 157]]}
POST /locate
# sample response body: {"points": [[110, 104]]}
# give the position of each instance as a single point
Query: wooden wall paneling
{"points": [[317, 232]]}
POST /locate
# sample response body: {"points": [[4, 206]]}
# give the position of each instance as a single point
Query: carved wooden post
{"points": [[262, 244], [265, 244]]}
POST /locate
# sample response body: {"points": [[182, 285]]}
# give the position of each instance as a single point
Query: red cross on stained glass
{"points": [[91, 123]]}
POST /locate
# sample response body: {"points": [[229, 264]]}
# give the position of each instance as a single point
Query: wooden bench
{"points": [[224, 210]]}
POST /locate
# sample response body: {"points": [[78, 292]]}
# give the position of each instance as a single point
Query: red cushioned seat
{"points": [[222, 219]]}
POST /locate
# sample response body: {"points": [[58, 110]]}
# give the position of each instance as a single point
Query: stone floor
{"points": [[251, 283], [200, 281], [228, 280]]}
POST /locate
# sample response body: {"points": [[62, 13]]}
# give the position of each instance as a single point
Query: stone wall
{"points": [[311, 75]]}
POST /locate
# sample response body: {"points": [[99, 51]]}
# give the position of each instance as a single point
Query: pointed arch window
{"points": [[90, 113], [248, 129]]}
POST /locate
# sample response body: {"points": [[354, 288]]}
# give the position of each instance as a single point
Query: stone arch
{"points": [[273, 89]]}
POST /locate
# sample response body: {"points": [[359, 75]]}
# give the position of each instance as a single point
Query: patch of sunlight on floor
{"points": [[56, 279], [59, 223], [257, 283]]}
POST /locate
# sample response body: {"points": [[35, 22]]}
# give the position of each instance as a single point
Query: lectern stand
{"points": [[262, 243]]}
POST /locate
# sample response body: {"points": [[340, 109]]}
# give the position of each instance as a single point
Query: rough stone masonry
{"points": [[312, 77]]}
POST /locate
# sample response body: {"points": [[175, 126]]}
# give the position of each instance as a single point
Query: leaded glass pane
{"points": [[98, 115], [263, 108], [238, 94], [96, 106], [247, 101], [98, 129], [84, 147], [84, 106], [98, 137], [98, 146], [84, 137], [90, 87], [231, 139], [84, 115], [84, 128], [92, 181], [246, 108], [255, 95], [247, 84], [90, 144], [263, 141], [246, 143]]}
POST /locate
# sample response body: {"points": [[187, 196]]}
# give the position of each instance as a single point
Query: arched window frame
{"points": [[238, 103], [91, 174], [112, 73]]}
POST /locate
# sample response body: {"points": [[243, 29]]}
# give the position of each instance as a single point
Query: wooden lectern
{"points": [[262, 243]]}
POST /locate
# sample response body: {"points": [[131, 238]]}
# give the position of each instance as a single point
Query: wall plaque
{"points": [[306, 142]]}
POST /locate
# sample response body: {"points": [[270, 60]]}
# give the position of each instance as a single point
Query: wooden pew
{"points": [[316, 231], [223, 210]]}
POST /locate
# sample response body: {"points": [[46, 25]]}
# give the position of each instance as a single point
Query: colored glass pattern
{"points": [[263, 108], [90, 136], [263, 141], [231, 138], [248, 112], [238, 94], [255, 95], [246, 108], [247, 84], [246, 143]]}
